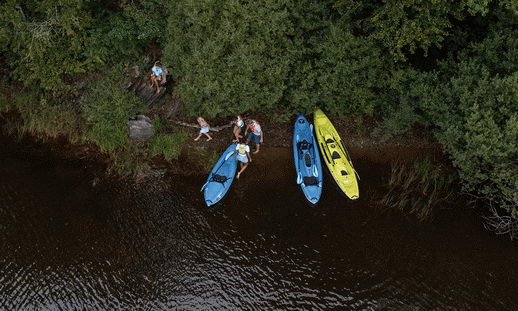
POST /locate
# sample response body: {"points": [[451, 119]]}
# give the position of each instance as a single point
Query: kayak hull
{"points": [[308, 166], [221, 177], [335, 156]]}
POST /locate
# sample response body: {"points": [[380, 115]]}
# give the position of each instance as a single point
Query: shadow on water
{"points": [[70, 243]]}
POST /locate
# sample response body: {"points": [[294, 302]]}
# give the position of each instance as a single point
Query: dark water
{"points": [[67, 244]]}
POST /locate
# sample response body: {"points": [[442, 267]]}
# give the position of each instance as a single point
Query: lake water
{"points": [[71, 241]]}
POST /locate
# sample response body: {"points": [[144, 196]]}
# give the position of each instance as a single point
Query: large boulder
{"points": [[140, 128]]}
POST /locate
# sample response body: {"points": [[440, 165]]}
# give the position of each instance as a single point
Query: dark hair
{"points": [[157, 63]]}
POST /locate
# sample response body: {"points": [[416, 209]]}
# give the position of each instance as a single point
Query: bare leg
{"points": [[153, 82], [208, 137], [243, 167], [197, 137], [237, 132], [258, 146], [158, 82]]}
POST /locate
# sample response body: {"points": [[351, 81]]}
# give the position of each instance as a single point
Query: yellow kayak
{"points": [[336, 156]]}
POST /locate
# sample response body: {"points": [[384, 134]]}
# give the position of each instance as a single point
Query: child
{"points": [[243, 156], [256, 134], [204, 129], [238, 126]]}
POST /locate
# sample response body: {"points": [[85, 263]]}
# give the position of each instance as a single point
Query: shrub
{"points": [[107, 108]]}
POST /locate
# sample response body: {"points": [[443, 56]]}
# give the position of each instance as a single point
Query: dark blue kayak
{"points": [[307, 160], [221, 177]]}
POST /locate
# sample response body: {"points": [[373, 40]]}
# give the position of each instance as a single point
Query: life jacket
{"points": [[253, 127], [241, 148]]}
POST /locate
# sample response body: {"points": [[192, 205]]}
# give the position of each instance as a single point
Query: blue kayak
{"points": [[221, 177], [307, 160]]}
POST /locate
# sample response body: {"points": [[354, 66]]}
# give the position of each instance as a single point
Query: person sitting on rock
{"points": [[204, 129], [243, 156], [156, 76], [256, 134], [239, 123]]}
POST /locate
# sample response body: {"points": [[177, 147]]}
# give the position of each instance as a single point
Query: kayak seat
{"points": [[219, 178], [304, 145], [335, 155], [310, 181], [343, 172], [307, 160], [329, 140]]}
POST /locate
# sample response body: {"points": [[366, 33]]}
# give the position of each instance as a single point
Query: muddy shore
{"points": [[277, 136]]}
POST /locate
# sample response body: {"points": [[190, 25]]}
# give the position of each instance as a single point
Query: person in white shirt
{"points": [[239, 123], [243, 156], [204, 129], [156, 76]]}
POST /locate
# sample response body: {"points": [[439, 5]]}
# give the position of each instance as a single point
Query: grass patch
{"points": [[42, 117], [128, 161], [168, 145], [417, 188]]}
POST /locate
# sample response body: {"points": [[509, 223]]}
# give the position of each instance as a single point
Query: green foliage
{"points": [[107, 108], [405, 26], [232, 56], [417, 188], [169, 145], [471, 103], [43, 117], [353, 73], [5, 102], [407, 91], [47, 43], [127, 161], [148, 17], [43, 41]]}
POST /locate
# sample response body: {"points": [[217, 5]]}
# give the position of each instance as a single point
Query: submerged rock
{"points": [[140, 128]]}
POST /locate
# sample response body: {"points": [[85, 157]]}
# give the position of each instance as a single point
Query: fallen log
{"points": [[212, 128]]}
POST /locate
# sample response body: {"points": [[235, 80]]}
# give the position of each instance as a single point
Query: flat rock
{"points": [[140, 128]]}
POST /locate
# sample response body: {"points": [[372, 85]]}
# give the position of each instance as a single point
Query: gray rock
{"points": [[140, 128]]}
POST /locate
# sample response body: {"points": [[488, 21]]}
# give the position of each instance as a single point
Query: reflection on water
{"points": [[68, 245]]}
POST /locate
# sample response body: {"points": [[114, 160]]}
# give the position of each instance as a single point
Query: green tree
{"points": [[230, 56], [43, 41]]}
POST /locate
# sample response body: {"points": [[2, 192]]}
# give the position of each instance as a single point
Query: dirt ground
{"points": [[356, 135]]}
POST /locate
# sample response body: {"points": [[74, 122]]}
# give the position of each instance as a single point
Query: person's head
{"points": [[199, 119], [157, 63]]}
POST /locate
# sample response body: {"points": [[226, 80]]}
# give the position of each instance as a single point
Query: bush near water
{"points": [[450, 66]]}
